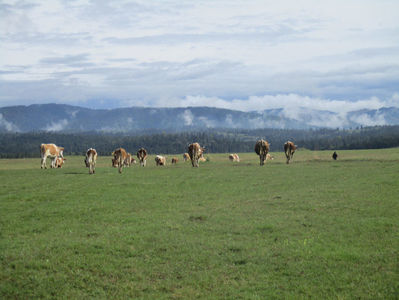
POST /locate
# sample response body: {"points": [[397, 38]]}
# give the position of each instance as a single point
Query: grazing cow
{"points": [[289, 149], [269, 157], [160, 160], [59, 162], [262, 149], [234, 157], [120, 155], [52, 151], [186, 157], [90, 160], [335, 155], [196, 153], [142, 156], [133, 161], [174, 160]]}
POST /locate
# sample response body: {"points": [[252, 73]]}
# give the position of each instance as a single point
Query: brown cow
{"points": [[269, 157], [160, 160], [234, 157], [91, 159], [52, 151], [174, 160], [59, 162], [262, 148], [120, 155], [142, 156], [133, 161], [196, 152], [186, 157], [289, 149]]}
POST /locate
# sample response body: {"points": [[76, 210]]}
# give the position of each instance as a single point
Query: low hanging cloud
{"points": [[187, 117], [9, 126], [57, 126], [290, 102], [365, 119]]}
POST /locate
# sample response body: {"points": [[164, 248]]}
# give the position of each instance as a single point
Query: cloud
{"points": [[188, 117], [367, 120], [79, 59], [57, 126], [242, 54], [9, 126], [291, 103]]}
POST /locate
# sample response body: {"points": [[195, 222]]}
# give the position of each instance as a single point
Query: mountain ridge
{"points": [[69, 118]]}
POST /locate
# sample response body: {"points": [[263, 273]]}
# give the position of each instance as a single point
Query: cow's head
{"points": [[115, 162]]}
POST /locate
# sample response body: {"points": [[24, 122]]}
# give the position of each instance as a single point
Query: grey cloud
{"points": [[264, 34], [80, 59], [58, 39]]}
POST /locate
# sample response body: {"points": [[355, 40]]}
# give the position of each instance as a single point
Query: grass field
{"points": [[316, 228]]}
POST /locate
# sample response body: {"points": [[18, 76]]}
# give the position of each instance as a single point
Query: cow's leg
{"points": [[120, 164], [43, 163]]}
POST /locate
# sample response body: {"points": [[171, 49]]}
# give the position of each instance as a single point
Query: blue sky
{"points": [[245, 55]]}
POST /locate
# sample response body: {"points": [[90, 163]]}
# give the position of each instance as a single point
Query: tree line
{"points": [[19, 145]]}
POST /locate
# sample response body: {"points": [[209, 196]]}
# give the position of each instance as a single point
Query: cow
{"points": [[186, 157], [174, 160], [59, 161], [142, 156], [133, 161], [234, 157], [269, 157], [90, 160], [52, 151], [160, 160], [262, 149], [120, 156], [289, 149], [335, 155], [195, 151]]}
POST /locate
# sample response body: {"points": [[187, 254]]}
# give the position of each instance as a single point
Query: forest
{"points": [[20, 145]]}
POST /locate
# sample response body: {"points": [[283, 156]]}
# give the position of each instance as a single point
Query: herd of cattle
{"points": [[121, 158]]}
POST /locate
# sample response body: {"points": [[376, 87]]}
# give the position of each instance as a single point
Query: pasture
{"points": [[316, 228]]}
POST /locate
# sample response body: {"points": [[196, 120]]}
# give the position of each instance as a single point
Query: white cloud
{"points": [[291, 103], [9, 126], [367, 120], [57, 126], [188, 117]]}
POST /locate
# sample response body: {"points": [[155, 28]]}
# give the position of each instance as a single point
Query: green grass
{"points": [[316, 228]]}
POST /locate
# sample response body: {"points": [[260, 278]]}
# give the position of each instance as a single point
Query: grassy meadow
{"points": [[316, 228]]}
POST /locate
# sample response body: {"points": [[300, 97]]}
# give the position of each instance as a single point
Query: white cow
{"points": [[52, 151]]}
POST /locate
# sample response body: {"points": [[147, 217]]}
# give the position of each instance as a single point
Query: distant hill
{"points": [[67, 118]]}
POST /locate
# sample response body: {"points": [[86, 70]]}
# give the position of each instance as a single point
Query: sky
{"points": [[339, 55]]}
